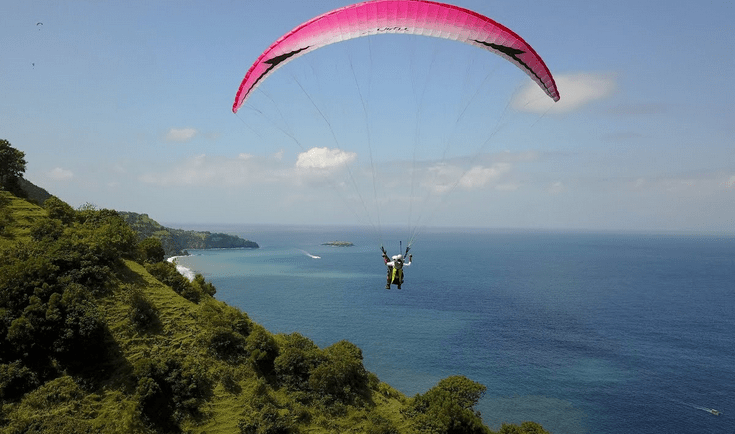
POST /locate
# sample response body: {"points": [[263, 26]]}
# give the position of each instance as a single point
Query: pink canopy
{"points": [[413, 17]]}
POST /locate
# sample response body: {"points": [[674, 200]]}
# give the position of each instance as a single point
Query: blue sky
{"points": [[126, 105]]}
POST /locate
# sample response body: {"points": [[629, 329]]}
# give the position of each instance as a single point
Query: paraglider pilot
{"points": [[395, 268]]}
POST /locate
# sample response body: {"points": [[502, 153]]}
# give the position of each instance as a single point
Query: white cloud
{"points": [[324, 158], [639, 184], [181, 134], [684, 185], [243, 169], [439, 178], [480, 176], [556, 188], [576, 90], [240, 170], [59, 174], [444, 177]]}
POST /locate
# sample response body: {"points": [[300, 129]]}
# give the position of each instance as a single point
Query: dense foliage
{"points": [[168, 390], [49, 318], [449, 407], [12, 167], [52, 284], [99, 334]]}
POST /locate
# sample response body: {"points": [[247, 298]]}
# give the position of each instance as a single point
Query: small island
{"points": [[338, 244]]}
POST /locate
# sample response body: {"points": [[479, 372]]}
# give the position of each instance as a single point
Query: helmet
{"points": [[399, 257]]}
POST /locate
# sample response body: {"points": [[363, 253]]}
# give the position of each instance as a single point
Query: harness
{"points": [[397, 272]]}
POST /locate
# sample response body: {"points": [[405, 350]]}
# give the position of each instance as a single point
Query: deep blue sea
{"points": [[582, 332]]}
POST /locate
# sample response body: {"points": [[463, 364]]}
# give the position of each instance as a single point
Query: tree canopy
{"points": [[12, 166]]}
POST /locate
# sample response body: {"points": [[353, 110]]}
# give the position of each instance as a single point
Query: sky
{"points": [[127, 105]]}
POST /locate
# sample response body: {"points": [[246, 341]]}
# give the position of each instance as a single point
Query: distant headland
{"points": [[176, 241]]}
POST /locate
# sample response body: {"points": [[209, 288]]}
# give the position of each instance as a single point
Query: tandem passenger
{"points": [[395, 268]]}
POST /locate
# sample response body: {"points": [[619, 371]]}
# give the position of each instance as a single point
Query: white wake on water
{"points": [[698, 407], [186, 272], [309, 254]]}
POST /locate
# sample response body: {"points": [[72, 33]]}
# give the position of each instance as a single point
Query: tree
{"points": [[262, 348], [46, 228], [448, 408], [59, 210], [342, 376], [524, 428], [297, 358], [12, 166], [151, 250]]}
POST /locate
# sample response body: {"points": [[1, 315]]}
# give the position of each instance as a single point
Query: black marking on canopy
{"points": [[283, 57], [275, 62], [513, 53]]}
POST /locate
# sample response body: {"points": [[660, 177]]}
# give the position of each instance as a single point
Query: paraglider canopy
{"points": [[413, 17]]}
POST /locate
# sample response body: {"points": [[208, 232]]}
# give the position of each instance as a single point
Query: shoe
{"points": [[387, 286], [399, 286]]}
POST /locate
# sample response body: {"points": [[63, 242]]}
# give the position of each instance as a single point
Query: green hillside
{"points": [[99, 335]]}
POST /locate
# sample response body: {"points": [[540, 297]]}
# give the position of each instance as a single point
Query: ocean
{"points": [[582, 332]]}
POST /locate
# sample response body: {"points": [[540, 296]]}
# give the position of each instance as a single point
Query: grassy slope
{"points": [[184, 323], [109, 406], [22, 214]]}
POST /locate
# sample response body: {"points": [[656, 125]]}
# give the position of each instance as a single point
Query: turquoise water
{"points": [[583, 333]]}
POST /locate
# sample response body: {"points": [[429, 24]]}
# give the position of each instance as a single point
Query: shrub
{"points": [[168, 391], [380, 425], [50, 325], [46, 229], [151, 250], [266, 420], [80, 261], [220, 315], [142, 314], [524, 428], [167, 274], [59, 210], [448, 407], [227, 344], [229, 380], [342, 376], [112, 236], [204, 286], [262, 348], [15, 380], [297, 357], [81, 340]]}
